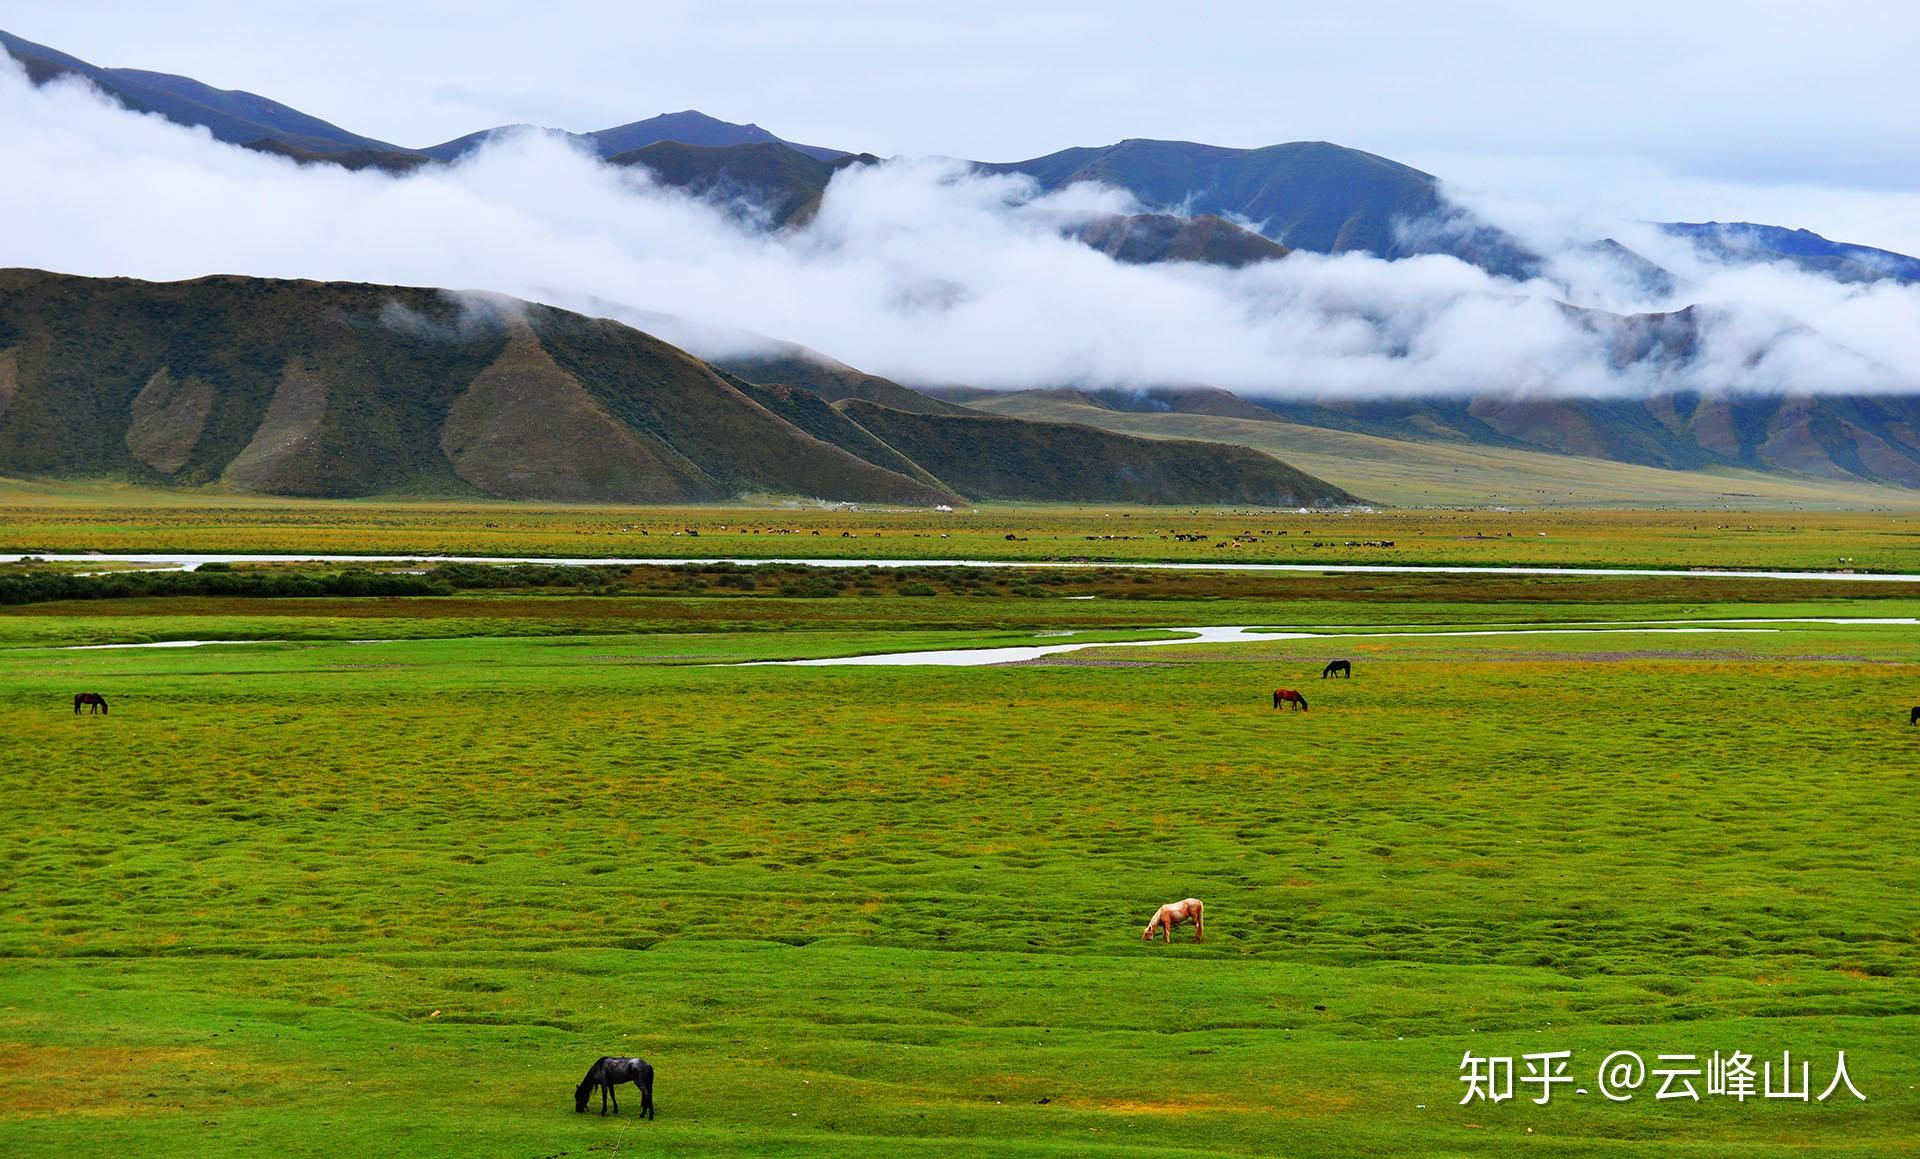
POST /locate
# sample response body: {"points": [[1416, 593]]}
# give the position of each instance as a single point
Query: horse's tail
{"points": [[76, 703]]}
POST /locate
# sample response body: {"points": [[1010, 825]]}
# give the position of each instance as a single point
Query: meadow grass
{"points": [[36, 518], [319, 896]]}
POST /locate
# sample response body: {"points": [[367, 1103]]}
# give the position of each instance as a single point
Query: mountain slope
{"points": [[1308, 195], [342, 389], [689, 128], [768, 180], [1846, 439], [312, 388], [991, 457], [1432, 471], [692, 127], [784, 364], [1744, 241], [1144, 238], [241, 118]]}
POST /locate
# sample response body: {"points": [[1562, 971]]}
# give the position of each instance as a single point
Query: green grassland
{"points": [[318, 896], [63, 518]]}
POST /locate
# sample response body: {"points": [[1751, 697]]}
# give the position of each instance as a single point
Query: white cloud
{"points": [[916, 270]]}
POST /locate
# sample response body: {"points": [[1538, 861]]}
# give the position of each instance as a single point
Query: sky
{"points": [[1787, 112]]}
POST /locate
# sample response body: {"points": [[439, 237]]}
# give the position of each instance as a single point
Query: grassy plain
{"points": [[65, 518], [322, 896]]}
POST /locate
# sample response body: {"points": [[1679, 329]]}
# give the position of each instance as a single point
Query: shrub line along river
{"points": [[190, 561]]}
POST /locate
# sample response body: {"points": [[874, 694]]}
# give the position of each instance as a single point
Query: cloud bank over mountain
{"points": [[927, 272]]}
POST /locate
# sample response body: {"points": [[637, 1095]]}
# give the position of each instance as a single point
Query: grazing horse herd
{"points": [[609, 1072]]}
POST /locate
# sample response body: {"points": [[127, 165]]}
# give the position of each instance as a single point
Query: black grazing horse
{"points": [[1915, 718], [1337, 668], [611, 1072], [93, 700]]}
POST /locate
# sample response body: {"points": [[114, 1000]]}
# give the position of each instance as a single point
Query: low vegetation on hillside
{"points": [[337, 389]]}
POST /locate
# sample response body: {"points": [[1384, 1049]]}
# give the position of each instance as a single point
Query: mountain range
{"points": [[345, 389], [262, 385], [243, 118], [1307, 195]]}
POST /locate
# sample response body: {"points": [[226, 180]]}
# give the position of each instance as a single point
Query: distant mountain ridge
{"points": [[254, 121], [240, 118], [1746, 241], [690, 127], [345, 389], [1849, 438], [1308, 195], [768, 178]]}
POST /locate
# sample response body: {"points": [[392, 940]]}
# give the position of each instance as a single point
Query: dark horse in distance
{"points": [[611, 1072], [1915, 718], [1337, 668], [1290, 698], [94, 701]]}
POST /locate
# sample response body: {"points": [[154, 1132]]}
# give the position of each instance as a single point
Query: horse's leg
{"points": [[646, 1097], [613, 1088], [605, 1086]]}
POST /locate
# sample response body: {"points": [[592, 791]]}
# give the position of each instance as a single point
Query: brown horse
{"points": [[1293, 699], [1172, 914], [93, 700]]}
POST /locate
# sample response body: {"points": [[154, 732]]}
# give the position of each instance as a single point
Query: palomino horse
{"points": [[1172, 914], [94, 701], [1290, 697], [1337, 668], [610, 1072]]}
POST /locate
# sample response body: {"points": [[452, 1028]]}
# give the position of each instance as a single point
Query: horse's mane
{"points": [[593, 1072]]}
